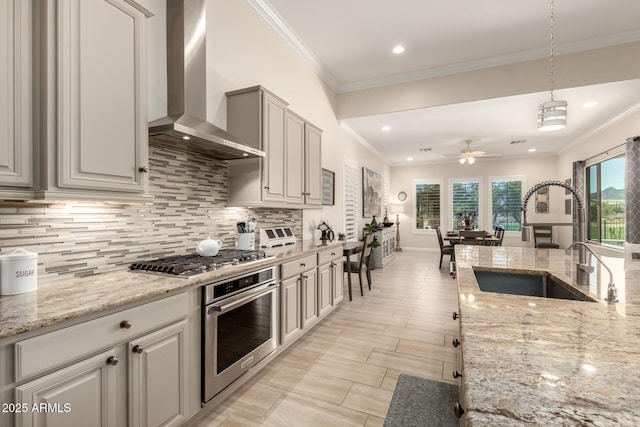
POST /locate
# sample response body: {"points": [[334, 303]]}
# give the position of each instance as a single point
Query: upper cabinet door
{"points": [[101, 79], [295, 190], [16, 161], [274, 145], [313, 163]]}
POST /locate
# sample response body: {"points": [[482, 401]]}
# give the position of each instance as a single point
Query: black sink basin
{"points": [[534, 285]]}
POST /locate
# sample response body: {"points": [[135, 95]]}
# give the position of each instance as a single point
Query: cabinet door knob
{"points": [[125, 324], [113, 361], [456, 374], [304, 276], [143, 169], [137, 349], [456, 342], [458, 410], [455, 315]]}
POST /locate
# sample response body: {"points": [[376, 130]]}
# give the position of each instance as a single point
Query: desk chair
{"points": [[362, 265], [542, 237], [444, 249]]}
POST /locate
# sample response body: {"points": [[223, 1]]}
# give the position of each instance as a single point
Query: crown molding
{"points": [[269, 14], [276, 21]]}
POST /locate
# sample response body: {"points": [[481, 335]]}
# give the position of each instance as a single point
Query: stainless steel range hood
{"points": [[186, 126]]}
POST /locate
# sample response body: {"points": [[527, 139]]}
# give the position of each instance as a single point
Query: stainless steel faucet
{"points": [[584, 269]]}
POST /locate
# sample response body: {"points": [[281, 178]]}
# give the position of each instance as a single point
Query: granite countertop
{"points": [[542, 361], [56, 301]]}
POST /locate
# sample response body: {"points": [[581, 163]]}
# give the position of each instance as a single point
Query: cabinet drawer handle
{"points": [[333, 254], [456, 374], [143, 169], [137, 349], [455, 342], [302, 264], [125, 324], [113, 361], [455, 315], [304, 276], [266, 187]]}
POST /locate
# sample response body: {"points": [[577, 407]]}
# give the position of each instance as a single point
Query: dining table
{"points": [[454, 238], [348, 249]]}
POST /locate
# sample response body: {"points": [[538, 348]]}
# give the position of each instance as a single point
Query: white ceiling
{"points": [[349, 44]]}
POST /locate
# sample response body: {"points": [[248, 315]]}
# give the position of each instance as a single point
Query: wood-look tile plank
{"points": [[344, 371]]}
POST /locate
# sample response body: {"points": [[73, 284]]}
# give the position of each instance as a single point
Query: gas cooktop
{"points": [[192, 264]]}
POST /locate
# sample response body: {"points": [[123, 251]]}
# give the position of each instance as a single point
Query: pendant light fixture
{"points": [[552, 115]]}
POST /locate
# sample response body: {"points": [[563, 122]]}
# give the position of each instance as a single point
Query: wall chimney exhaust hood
{"points": [[185, 126]]}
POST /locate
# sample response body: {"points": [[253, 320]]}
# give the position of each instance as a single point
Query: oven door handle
{"points": [[257, 293]]}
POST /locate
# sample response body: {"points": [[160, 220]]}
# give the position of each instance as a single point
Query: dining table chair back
{"points": [[473, 237], [444, 249], [362, 264], [499, 234], [543, 237]]}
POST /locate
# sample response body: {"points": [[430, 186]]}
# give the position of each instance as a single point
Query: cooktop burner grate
{"points": [[192, 264]]}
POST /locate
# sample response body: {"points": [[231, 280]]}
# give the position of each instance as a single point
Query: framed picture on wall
{"points": [[328, 187], [542, 200], [371, 193]]}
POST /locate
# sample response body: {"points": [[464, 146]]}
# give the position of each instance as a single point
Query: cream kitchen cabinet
{"points": [[16, 117], [298, 297], [290, 174], [330, 277], [125, 368], [94, 100], [89, 80]]}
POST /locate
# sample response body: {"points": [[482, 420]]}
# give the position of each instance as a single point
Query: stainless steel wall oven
{"points": [[240, 324]]}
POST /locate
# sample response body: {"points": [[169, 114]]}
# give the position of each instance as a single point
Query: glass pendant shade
{"points": [[552, 116], [462, 160]]}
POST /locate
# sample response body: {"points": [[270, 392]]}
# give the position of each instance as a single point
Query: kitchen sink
{"points": [[534, 285]]}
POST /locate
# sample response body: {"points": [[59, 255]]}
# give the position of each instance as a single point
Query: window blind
{"points": [[351, 205]]}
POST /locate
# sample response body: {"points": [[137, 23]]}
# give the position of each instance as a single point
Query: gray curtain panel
{"points": [[632, 186]]}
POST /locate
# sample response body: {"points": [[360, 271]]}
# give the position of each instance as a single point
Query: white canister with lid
{"points": [[18, 272]]}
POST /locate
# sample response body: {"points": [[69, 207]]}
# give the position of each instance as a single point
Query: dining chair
{"points": [[542, 237], [444, 249], [499, 234], [473, 237], [362, 264]]}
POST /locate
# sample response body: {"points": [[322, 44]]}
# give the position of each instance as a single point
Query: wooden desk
{"points": [[350, 248]]}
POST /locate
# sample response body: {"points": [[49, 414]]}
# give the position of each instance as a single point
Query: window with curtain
{"points": [[351, 196], [506, 198], [606, 202], [465, 200], [428, 203]]}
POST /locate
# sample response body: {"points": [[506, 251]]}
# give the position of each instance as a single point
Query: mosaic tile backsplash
{"points": [[82, 239]]}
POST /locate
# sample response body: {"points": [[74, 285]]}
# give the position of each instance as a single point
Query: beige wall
{"points": [[243, 50], [534, 170]]}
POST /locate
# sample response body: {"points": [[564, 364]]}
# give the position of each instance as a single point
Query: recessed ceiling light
{"points": [[531, 150], [398, 49], [409, 158], [386, 128], [589, 104]]}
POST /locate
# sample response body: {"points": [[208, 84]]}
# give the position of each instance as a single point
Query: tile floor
{"points": [[343, 372]]}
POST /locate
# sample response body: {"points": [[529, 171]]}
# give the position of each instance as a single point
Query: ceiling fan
{"points": [[467, 155]]}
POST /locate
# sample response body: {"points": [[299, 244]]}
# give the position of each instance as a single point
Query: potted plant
{"points": [[370, 229]]}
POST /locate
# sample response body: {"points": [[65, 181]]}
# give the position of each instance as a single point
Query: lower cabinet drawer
{"points": [[329, 255], [293, 268], [44, 352]]}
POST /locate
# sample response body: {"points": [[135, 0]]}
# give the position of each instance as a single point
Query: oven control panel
{"points": [[279, 236]]}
